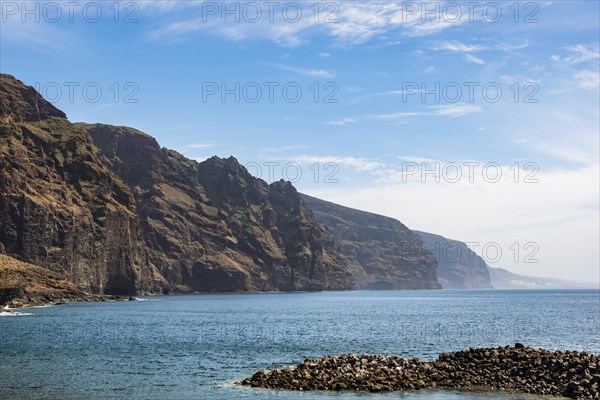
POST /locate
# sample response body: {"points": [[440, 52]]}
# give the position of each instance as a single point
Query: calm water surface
{"points": [[197, 346]]}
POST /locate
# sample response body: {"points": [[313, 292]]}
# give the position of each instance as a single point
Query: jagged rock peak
{"points": [[19, 102]]}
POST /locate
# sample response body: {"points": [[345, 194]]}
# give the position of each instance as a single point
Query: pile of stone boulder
{"points": [[570, 374]]}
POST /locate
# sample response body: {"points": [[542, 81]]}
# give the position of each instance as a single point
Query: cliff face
{"points": [[382, 252], [121, 215], [60, 208], [211, 226], [458, 266]]}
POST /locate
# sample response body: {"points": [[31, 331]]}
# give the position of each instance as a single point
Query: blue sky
{"points": [[374, 59]]}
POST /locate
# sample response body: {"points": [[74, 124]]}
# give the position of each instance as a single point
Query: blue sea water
{"points": [[198, 346]]}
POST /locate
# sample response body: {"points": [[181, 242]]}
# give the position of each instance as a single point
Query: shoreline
{"points": [[45, 300], [519, 369]]}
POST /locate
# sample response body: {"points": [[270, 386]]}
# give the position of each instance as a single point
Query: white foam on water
{"points": [[13, 314]]}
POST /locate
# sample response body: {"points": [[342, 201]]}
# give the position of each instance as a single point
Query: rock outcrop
{"points": [[23, 285], [60, 208], [571, 374], [458, 266], [212, 226], [382, 252]]}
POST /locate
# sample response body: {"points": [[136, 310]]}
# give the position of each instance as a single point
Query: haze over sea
{"points": [[197, 346]]}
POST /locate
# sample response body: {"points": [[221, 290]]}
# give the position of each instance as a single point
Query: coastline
{"points": [[44, 300]]}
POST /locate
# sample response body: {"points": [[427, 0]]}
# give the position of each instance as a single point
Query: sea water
{"points": [[198, 346]]}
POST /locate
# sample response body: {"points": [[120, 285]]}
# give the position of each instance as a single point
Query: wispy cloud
{"points": [[456, 110], [418, 159], [313, 73], [458, 47], [505, 46], [342, 122], [42, 36], [353, 23], [449, 111], [588, 79], [474, 59], [578, 53], [359, 164], [469, 49]]}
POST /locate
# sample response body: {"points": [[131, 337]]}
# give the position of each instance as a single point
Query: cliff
{"points": [[458, 266], [60, 208], [212, 226], [113, 212], [382, 252]]}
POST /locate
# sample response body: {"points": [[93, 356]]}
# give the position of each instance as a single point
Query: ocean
{"points": [[197, 346]]}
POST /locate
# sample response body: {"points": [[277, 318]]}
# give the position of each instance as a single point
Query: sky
{"points": [[478, 121]]}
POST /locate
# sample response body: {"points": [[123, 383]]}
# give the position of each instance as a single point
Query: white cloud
{"points": [[588, 79], [449, 110], [359, 164], [578, 53], [505, 46], [474, 59], [456, 110], [341, 122], [324, 55], [418, 159], [314, 73], [356, 23], [458, 47]]}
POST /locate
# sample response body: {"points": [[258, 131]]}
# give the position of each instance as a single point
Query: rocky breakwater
{"points": [[519, 368]]}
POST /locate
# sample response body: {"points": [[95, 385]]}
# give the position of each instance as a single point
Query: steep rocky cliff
{"points": [[121, 215], [211, 226], [60, 208], [382, 252], [458, 266]]}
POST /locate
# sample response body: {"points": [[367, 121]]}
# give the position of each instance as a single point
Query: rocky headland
{"points": [[568, 374]]}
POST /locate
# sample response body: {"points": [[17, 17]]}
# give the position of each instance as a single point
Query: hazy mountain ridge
{"points": [[503, 279], [378, 248], [382, 252], [461, 268], [458, 266]]}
